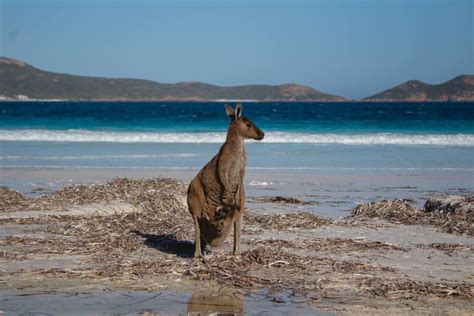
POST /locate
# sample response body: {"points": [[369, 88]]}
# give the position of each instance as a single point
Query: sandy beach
{"points": [[126, 246]]}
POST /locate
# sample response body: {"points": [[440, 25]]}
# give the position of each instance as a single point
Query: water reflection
{"points": [[215, 303]]}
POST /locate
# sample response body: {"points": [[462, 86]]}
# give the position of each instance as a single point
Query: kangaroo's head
{"points": [[242, 125]]}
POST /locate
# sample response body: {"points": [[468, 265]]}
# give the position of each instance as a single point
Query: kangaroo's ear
{"points": [[230, 112], [238, 111]]}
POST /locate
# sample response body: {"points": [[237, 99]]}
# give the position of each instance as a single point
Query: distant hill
{"points": [[460, 88], [19, 80]]}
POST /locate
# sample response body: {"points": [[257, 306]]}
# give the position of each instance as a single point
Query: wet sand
{"points": [[343, 267]]}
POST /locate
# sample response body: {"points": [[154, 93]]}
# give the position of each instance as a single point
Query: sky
{"points": [[349, 48]]}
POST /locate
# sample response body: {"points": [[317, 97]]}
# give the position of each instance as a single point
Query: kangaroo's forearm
{"points": [[228, 193], [230, 198]]}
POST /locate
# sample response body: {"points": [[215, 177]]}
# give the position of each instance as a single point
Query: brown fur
{"points": [[216, 196]]}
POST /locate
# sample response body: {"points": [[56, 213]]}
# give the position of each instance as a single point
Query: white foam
{"points": [[260, 183], [219, 137]]}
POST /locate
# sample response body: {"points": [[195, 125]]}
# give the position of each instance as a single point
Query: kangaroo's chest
{"points": [[237, 169]]}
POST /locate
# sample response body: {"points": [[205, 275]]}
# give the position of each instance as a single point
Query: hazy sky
{"points": [[350, 48]]}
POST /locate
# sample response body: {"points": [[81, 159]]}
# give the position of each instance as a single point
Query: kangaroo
{"points": [[216, 196]]}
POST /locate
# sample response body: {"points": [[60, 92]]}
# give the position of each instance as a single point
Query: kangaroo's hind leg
{"points": [[195, 205], [238, 222], [237, 229], [197, 238]]}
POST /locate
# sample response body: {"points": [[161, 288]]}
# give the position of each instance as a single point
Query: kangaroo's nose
{"points": [[262, 135]]}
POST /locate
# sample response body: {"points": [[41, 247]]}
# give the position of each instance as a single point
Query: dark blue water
{"points": [[312, 136], [345, 118]]}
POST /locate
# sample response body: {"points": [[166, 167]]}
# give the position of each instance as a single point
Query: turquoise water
{"points": [[431, 136]]}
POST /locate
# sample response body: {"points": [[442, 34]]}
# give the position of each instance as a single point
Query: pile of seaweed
{"points": [[403, 212], [329, 244], [281, 200], [288, 221], [11, 200], [146, 193]]}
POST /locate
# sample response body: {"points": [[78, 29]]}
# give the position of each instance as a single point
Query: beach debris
{"points": [[11, 199], [398, 210], [138, 192], [287, 221], [277, 199], [282, 200], [448, 248], [403, 212], [403, 288], [328, 244], [450, 204]]}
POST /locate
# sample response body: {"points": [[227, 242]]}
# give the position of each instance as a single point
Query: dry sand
{"points": [[126, 247]]}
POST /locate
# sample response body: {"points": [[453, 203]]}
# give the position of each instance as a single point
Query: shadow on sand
{"points": [[168, 243]]}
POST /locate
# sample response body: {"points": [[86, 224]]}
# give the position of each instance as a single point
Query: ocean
{"points": [[299, 136]]}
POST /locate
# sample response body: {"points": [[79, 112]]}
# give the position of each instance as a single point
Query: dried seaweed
{"points": [[139, 192], [287, 221], [398, 211], [329, 244], [450, 204], [446, 247], [400, 288], [11, 200], [401, 211], [280, 199]]}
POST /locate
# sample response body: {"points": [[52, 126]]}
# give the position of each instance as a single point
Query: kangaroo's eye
{"points": [[249, 125]]}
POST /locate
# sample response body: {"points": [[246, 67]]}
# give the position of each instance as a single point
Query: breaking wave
{"points": [[219, 137]]}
